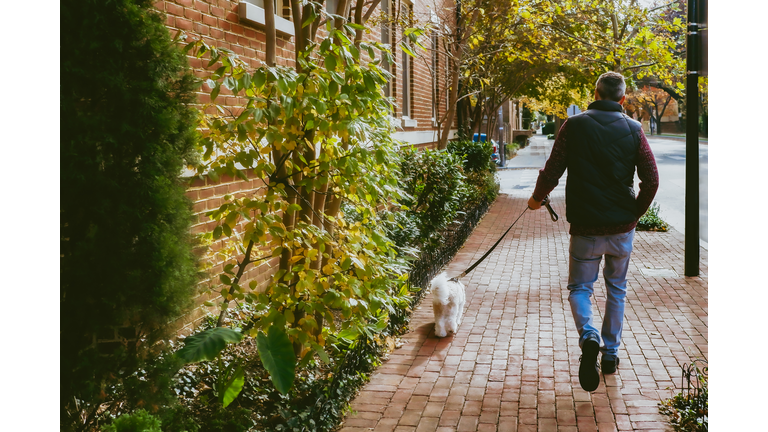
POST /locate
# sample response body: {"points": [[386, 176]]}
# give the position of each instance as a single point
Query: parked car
{"points": [[495, 157]]}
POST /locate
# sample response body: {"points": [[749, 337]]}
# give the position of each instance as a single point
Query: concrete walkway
{"points": [[513, 365], [533, 156]]}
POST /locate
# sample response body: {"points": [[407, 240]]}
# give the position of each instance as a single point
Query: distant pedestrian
{"points": [[600, 148]]}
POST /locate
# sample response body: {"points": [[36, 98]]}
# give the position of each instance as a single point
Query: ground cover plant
{"points": [[651, 221], [688, 411]]}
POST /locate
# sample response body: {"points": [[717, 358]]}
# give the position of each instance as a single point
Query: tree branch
{"points": [[240, 270]]}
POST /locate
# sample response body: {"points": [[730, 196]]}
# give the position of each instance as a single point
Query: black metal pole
{"points": [[692, 143]]}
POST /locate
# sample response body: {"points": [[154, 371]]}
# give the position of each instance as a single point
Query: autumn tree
{"points": [[583, 38], [651, 100], [319, 134]]}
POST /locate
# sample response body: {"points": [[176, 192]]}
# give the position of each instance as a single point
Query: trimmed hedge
{"points": [[127, 131]]}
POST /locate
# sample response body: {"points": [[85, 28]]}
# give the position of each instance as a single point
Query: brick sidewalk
{"points": [[513, 365]]}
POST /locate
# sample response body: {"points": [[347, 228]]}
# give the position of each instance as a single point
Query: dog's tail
{"points": [[441, 295]]}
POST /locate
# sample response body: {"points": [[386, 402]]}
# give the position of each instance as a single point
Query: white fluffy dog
{"points": [[448, 304]]}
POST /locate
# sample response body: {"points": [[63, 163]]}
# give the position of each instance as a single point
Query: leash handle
{"points": [[551, 211]]}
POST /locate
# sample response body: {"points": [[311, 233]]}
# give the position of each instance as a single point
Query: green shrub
{"points": [[139, 421], [512, 148], [127, 132], [480, 186], [651, 221], [434, 181], [476, 155], [548, 128]]}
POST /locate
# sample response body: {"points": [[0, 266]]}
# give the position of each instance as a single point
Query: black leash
{"points": [[552, 215]]}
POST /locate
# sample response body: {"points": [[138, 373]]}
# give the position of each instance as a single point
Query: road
{"points": [[521, 173]]}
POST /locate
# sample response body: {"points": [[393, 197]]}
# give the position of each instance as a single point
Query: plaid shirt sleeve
{"points": [[549, 176], [648, 175]]}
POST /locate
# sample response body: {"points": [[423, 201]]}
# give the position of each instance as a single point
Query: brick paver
{"points": [[513, 365]]}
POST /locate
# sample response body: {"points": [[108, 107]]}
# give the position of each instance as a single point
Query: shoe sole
{"points": [[589, 377]]}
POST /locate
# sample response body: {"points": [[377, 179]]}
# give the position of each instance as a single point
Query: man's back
{"points": [[602, 154]]}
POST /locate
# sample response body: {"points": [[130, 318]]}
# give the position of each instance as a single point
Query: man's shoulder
{"points": [[632, 121]]}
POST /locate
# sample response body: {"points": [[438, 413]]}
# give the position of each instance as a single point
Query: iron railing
{"points": [[430, 262], [693, 383]]}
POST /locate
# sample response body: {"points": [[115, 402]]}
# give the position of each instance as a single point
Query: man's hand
{"points": [[533, 204]]}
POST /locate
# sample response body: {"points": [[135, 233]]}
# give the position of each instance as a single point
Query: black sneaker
{"points": [[589, 370], [608, 364]]}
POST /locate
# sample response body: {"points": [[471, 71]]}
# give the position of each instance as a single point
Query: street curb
{"points": [[515, 168]]}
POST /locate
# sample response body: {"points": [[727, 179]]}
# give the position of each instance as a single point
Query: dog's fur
{"points": [[448, 305]]}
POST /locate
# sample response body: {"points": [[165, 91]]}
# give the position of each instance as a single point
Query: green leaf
{"points": [[258, 114], [276, 353], [321, 353], [407, 50], [310, 17], [243, 116], [259, 79], [208, 344], [338, 78], [330, 62], [233, 387]]}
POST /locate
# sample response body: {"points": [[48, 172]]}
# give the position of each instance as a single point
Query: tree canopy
{"points": [[550, 52]]}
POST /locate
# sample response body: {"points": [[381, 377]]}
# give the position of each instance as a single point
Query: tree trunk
{"points": [[453, 95]]}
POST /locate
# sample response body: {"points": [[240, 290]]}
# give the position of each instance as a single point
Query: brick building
{"points": [[418, 86]]}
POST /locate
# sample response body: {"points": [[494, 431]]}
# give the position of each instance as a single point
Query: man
{"points": [[601, 148]]}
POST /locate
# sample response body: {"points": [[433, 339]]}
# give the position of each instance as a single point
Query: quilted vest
{"points": [[602, 154]]}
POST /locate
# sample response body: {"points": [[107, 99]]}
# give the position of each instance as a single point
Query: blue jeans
{"points": [[585, 256]]}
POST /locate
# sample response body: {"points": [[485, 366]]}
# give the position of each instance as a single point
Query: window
{"points": [[252, 11], [283, 8]]}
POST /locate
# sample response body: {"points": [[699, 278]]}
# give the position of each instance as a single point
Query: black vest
{"points": [[602, 154]]}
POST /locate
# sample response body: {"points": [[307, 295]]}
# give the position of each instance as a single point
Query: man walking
{"points": [[601, 148]]}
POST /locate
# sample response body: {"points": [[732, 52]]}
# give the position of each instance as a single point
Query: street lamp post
{"points": [[694, 66]]}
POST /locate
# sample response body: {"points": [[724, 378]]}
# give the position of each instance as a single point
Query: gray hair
{"points": [[611, 86]]}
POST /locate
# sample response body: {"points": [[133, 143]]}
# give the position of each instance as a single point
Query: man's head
{"points": [[610, 86]]}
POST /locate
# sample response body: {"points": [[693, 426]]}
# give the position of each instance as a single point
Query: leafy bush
{"points": [[512, 148], [434, 182], [688, 411], [480, 186], [139, 421], [651, 221], [127, 132], [476, 155], [548, 128], [318, 134], [402, 227]]}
